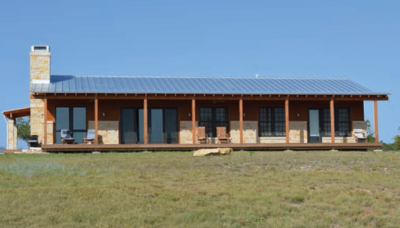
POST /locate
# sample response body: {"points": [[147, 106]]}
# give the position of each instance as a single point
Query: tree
{"points": [[24, 129], [370, 132], [1, 149]]}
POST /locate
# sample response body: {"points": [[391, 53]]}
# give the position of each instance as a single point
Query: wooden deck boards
{"points": [[175, 147]]}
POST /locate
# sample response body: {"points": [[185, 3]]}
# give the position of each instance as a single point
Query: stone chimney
{"points": [[40, 64]]}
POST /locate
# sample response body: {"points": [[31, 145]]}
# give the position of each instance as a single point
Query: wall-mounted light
{"points": [[298, 114], [189, 114], [104, 114], [244, 114]]}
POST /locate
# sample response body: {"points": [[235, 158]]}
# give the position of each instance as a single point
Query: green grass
{"points": [[258, 189]]}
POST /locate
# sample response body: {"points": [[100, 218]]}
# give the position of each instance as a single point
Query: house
{"points": [[160, 113]]}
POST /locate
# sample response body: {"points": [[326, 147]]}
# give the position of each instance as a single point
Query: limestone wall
{"points": [[40, 66], [185, 134], [298, 132], [50, 132], [108, 131], [272, 139], [12, 139], [250, 131], [37, 118], [356, 125]]}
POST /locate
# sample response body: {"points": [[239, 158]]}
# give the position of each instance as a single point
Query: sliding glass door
{"points": [[162, 125], [73, 119]]}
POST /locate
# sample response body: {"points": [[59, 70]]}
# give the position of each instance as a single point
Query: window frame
{"points": [[273, 122]]}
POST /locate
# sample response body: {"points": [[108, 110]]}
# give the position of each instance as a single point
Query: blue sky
{"points": [[358, 40]]}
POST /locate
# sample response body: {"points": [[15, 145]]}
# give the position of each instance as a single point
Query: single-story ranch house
{"points": [[130, 113]]}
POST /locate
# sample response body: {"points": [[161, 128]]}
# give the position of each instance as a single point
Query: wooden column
{"points": [[45, 122], [241, 120], [287, 119], [96, 120], [332, 121], [145, 127], [194, 120], [376, 121]]}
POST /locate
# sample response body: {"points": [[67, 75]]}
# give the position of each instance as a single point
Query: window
{"points": [[72, 118], [272, 122], [211, 118], [342, 122]]}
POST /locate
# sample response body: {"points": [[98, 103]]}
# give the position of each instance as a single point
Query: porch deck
{"points": [[175, 147]]}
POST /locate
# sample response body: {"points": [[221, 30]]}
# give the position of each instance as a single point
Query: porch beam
{"points": [[194, 120], [241, 119], [332, 107], [96, 121], [376, 121], [287, 119], [145, 127], [45, 122]]}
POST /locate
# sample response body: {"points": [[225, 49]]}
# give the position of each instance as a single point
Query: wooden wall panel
{"points": [[250, 108]]}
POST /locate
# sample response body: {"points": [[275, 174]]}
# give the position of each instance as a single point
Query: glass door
{"points": [[314, 128], [128, 126], [156, 126]]}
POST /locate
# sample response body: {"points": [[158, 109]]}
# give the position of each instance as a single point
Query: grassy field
{"points": [[244, 189]]}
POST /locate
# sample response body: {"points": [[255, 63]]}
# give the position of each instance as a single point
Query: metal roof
{"points": [[198, 85]]}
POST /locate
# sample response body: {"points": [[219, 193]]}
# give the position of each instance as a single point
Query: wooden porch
{"points": [[186, 147]]}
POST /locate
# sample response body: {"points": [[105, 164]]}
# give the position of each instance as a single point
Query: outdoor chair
{"points": [[360, 135], [222, 136], [89, 137], [66, 136], [201, 135], [33, 141]]}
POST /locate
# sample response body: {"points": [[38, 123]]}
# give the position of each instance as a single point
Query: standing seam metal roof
{"points": [[199, 85]]}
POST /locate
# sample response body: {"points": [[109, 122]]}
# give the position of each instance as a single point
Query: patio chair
{"points": [[360, 135], [201, 135], [33, 141], [66, 137], [89, 137], [222, 136]]}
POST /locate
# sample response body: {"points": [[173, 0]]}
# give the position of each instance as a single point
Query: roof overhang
{"points": [[16, 113]]}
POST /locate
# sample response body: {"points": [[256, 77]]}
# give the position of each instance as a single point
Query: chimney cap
{"points": [[41, 48]]}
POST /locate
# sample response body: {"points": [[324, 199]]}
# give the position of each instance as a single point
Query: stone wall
{"points": [[250, 131], [50, 132], [108, 131], [356, 125], [12, 139], [40, 66], [185, 134], [298, 132], [37, 118], [272, 139]]}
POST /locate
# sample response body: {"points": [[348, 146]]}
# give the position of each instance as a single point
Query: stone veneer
{"points": [[108, 131], [250, 132], [50, 132], [40, 66], [185, 134], [12, 139], [37, 118], [298, 132]]}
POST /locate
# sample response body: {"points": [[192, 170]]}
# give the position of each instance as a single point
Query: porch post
{"points": [[96, 120], [45, 122], [241, 119], [287, 119], [376, 121], [194, 120], [145, 127], [332, 120]]}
